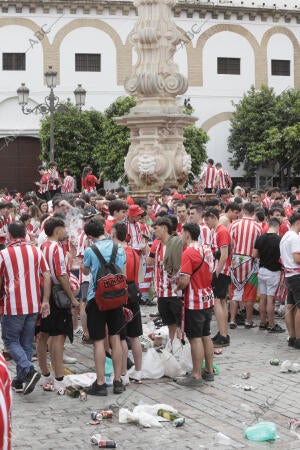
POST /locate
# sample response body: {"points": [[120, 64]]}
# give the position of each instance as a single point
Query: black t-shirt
{"points": [[269, 252]]}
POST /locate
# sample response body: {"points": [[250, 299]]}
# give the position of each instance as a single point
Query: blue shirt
{"points": [[92, 262]]}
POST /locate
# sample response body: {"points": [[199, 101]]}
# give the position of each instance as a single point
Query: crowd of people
{"points": [[217, 252]]}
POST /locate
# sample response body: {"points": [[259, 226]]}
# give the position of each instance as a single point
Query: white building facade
{"points": [[226, 47]]}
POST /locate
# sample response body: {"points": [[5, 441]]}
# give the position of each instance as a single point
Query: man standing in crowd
{"points": [[243, 233], [54, 180], [21, 265], [220, 240], [42, 184], [167, 264], [290, 256], [58, 324], [208, 176], [117, 213], [195, 279], [196, 216], [266, 248], [223, 179], [232, 212], [97, 320], [68, 185], [134, 328], [182, 215]]}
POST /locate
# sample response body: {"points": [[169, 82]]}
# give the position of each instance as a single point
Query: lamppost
{"points": [[51, 103]]}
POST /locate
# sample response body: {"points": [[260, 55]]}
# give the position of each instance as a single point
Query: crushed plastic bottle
{"points": [[260, 432], [222, 439]]}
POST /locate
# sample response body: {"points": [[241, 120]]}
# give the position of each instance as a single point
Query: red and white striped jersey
{"points": [[53, 177], [21, 265], [82, 245], [134, 230], [208, 176], [267, 202], [164, 285], [205, 234], [223, 179], [55, 258], [43, 182], [243, 233], [68, 185], [220, 237], [5, 406], [3, 229], [198, 294]]}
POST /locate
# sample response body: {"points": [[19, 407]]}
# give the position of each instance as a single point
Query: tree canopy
{"points": [[265, 129], [95, 139]]}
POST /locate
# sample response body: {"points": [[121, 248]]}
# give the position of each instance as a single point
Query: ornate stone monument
{"points": [[156, 156]]}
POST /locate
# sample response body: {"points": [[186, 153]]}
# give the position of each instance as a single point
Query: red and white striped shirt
{"points": [[267, 202], [243, 233], [5, 406], [134, 230], [53, 178], [21, 265], [82, 245], [68, 185], [208, 176], [55, 258], [164, 285], [205, 234], [223, 179], [198, 294]]}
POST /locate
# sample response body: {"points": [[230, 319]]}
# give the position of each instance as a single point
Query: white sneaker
{"points": [[69, 360], [59, 387], [47, 382], [136, 376], [125, 379]]}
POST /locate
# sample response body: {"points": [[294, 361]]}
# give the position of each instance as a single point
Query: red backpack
{"points": [[111, 288]]}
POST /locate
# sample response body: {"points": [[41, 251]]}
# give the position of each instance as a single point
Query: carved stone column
{"points": [[156, 156]]}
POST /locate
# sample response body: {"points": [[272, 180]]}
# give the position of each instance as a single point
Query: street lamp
{"points": [[51, 102]]}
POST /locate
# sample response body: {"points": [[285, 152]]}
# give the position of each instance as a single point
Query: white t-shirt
{"points": [[289, 244]]}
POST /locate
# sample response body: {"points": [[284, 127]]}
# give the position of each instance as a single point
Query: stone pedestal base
{"points": [[156, 157]]}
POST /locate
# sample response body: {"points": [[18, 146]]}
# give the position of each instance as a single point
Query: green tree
{"points": [[253, 117], [194, 143], [114, 143], [76, 136], [265, 129]]}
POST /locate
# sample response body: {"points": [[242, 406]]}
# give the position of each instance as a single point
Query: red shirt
{"points": [[198, 294], [221, 238], [55, 258], [132, 264], [20, 266], [5, 406], [108, 225], [284, 227], [89, 183]]}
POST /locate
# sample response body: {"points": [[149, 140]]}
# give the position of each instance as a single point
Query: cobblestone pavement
{"points": [[44, 420]]}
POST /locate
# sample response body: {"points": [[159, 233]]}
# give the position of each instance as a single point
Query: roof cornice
{"points": [[215, 11]]}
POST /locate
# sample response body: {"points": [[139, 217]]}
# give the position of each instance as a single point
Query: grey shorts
{"points": [[268, 281]]}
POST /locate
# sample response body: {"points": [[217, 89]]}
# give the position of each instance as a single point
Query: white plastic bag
{"points": [[152, 366], [172, 367], [185, 359], [153, 409]]}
